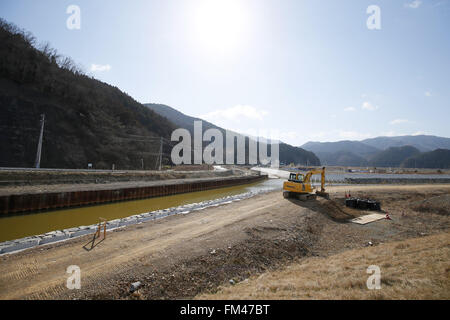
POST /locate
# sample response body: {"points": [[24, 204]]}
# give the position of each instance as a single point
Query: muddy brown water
{"points": [[20, 226]]}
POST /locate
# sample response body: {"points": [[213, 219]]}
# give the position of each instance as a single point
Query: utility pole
{"points": [[160, 153], [39, 149]]}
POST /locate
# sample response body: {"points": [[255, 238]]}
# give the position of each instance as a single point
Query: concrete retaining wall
{"points": [[44, 201]]}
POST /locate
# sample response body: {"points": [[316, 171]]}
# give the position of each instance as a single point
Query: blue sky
{"points": [[291, 69]]}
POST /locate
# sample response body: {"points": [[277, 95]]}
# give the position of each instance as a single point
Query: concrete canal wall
{"points": [[17, 203]]}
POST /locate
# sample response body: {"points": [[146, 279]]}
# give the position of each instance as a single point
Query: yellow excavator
{"points": [[299, 186]]}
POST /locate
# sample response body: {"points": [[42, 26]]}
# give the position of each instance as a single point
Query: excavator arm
{"points": [[308, 176]]}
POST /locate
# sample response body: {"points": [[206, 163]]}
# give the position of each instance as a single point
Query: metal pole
{"points": [[39, 149], [160, 153]]}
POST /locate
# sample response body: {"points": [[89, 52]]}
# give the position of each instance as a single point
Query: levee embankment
{"points": [[10, 177]]}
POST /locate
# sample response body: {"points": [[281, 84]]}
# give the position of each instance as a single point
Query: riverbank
{"points": [[43, 197], [55, 234], [183, 256]]}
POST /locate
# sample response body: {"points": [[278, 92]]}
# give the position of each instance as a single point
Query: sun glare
{"points": [[219, 25]]}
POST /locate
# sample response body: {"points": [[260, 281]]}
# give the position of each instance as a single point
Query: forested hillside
{"points": [[87, 121]]}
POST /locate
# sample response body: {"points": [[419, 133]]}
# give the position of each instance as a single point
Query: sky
{"points": [[293, 70]]}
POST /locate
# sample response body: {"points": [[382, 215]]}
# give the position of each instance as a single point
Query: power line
{"points": [[160, 153], [39, 149]]}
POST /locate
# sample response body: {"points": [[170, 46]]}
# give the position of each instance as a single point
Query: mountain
{"points": [[393, 156], [341, 153], [421, 142], [87, 121], [439, 158], [179, 119], [372, 151], [356, 147], [288, 154], [342, 158]]}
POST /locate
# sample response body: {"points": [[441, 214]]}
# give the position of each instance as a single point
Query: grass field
{"points": [[411, 269]]}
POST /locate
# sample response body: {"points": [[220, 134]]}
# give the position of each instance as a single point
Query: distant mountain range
{"points": [[422, 151], [288, 154], [422, 142]]}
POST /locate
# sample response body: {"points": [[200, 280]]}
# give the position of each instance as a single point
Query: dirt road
{"points": [[182, 256]]}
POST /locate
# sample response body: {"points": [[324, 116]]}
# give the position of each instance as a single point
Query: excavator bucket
{"points": [[325, 195]]}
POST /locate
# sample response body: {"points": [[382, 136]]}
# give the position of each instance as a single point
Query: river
{"points": [[24, 225]]}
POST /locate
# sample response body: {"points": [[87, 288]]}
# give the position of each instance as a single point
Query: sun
{"points": [[219, 25]]}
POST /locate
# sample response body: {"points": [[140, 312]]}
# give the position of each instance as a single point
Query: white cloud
{"points": [[100, 67], [440, 3], [291, 137], [368, 106], [399, 121], [353, 135], [350, 109], [390, 134], [413, 5], [235, 113], [428, 93]]}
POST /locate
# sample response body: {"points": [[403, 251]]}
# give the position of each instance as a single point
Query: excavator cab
{"points": [[299, 186], [296, 177]]}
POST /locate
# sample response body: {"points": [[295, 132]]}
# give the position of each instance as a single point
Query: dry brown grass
{"points": [[438, 204], [412, 269]]}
